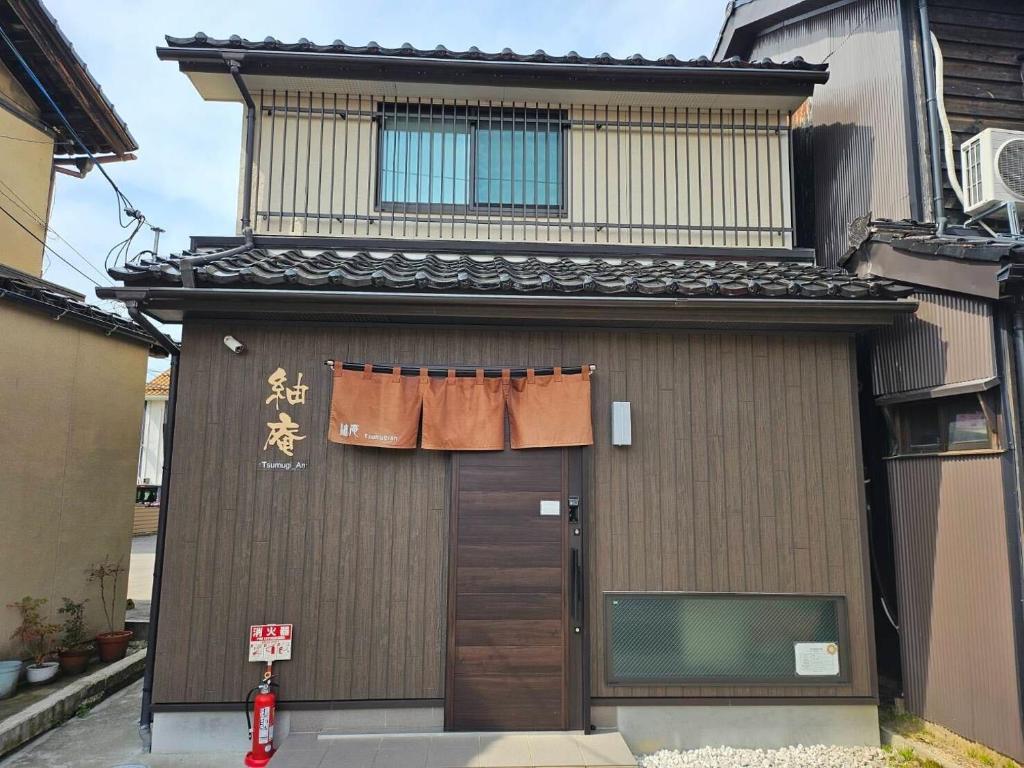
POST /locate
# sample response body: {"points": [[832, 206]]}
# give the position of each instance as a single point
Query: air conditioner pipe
{"points": [[934, 146]]}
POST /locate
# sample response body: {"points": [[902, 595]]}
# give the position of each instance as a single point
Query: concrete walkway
{"points": [[455, 750], [108, 737]]}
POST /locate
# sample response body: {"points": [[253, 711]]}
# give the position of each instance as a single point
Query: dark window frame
{"points": [[898, 417], [842, 628], [472, 117]]}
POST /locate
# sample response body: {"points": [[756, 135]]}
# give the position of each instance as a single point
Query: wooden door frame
{"points": [[576, 687]]}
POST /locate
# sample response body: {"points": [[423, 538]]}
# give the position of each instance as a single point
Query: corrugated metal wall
{"points": [[860, 144], [950, 339], [953, 576]]}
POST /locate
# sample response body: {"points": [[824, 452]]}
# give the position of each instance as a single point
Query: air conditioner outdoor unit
{"points": [[993, 170]]}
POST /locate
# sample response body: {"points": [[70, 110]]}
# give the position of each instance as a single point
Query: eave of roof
{"points": [[174, 305], [744, 19], [921, 238], [959, 261], [53, 58], [60, 304], [200, 53]]}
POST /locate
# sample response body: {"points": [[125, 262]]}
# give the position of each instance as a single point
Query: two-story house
{"points": [[71, 372], [912, 82], [636, 495]]}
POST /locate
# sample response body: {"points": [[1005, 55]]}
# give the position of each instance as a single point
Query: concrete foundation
{"points": [[645, 728], [650, 728], [175, 732]]}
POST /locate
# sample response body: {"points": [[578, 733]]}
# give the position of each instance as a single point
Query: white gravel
{"points": [[788, 757]]}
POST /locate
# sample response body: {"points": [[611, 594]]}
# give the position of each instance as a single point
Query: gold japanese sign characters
{"points": [[284, 432]]}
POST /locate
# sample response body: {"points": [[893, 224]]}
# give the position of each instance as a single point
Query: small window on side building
{"points": [[943, 425]]}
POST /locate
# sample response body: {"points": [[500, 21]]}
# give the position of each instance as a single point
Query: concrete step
{"points": [[455, 750]]}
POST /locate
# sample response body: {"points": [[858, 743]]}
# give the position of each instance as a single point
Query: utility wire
{"points": [[134, 214], [15, 198], [42, 242]]}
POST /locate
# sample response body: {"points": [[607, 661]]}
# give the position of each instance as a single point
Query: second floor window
{"points": [[471, 158]]}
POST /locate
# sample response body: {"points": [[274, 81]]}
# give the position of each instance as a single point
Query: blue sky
{"points": [[186, 177]]}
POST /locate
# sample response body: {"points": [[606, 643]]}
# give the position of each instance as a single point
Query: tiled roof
{"points": [[40, 40], [921, 238], [159, 385], [399, 272], [406, 50], [62, 304]]}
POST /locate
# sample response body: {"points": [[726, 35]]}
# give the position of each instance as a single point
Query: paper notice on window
{"points": [[817, 659]]}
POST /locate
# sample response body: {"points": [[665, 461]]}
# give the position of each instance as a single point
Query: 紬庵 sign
{"points": [[270, 642]]}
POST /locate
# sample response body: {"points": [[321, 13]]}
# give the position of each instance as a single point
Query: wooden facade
{"points": [[980, 41], [743, 476]]}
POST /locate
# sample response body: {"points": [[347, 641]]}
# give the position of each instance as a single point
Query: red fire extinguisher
{"points": [[261, 724]]}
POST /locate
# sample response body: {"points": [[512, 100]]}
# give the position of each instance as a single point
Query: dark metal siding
{"points": [[948, 340], [859, 137], [953, 576], [980, 42]]}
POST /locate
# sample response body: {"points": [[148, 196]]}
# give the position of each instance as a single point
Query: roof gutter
{"points": [[135, 312], [189, 263], [610, 311], [649, 77]]}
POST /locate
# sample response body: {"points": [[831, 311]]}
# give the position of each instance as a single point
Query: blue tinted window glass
{"points": [[424, 161], [519, 165]]}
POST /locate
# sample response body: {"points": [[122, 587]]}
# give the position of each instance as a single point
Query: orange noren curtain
{"points": [[550, 411], [375, 409], [464, 414]]}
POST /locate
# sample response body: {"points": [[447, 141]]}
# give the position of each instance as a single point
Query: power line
{"points": [[128, 208], [42, 89], [19, 201], [47, 247]]}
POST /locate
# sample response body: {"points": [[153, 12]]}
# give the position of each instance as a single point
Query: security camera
{"points": [[234, 345]]}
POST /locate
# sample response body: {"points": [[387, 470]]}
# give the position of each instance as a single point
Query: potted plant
{"points": [[37, 637], [112, 644], [75, 647]]}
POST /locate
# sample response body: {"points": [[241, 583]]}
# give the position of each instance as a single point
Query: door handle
{"points": [[576, 587]]}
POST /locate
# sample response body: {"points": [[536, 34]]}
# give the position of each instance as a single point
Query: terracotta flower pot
{"points": [[75, 660], [113, 645]]}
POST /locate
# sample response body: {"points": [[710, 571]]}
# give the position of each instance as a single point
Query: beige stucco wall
{"points": [[690, 176], [70, 408], [26, 159]]}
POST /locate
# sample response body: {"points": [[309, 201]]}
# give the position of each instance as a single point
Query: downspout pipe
{"points": [[189, 263], [934, 145], [1014, 389], [172, 349]]}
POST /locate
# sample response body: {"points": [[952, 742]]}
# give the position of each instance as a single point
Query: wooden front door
{"points": [[508, 621]]}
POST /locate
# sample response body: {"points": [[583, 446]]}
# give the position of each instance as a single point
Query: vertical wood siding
{"points": [[859, 129], [980, 42], [955, 599], [743, 476], [949, 339]]}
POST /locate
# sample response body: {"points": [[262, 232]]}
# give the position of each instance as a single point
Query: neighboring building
{"points": [[151, 455], [463, 210], [947, 380], [72, 374], [151, 448]]}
